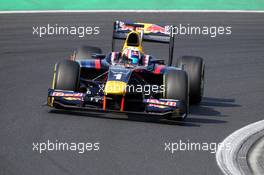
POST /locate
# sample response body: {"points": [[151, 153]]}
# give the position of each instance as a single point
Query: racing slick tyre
{"points": [[176, 87], [194, 66], [67, 76], [86, 52]]}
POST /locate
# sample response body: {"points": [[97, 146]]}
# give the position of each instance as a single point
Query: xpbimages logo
{"points": [[187, 145], [79, 147], [212, 31], [79, 31], [131, 88]]}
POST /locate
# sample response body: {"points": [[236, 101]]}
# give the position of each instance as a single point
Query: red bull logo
{"points": [[149, 28], [125, 27], [155, 29]]}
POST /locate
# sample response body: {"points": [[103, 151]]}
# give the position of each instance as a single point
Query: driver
{"points": [[131, 56]]}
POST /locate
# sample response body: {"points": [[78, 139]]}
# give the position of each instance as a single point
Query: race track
{"points": [[234, 95]]}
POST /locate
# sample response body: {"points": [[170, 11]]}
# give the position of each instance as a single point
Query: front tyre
{"points": [[67, 76], [176, 87], [195, 67]]}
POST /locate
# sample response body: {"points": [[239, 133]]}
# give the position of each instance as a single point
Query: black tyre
{"points": [[195, 67], [176, 87], [86, 52], [67, 76]]}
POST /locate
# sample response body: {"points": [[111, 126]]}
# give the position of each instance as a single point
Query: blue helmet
{"points": [[133, 55]]}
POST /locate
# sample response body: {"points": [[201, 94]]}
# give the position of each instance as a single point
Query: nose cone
{"points": [[115, 88]]}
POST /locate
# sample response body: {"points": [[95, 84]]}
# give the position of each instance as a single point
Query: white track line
{"points": [[133, 11], [226, 159]]}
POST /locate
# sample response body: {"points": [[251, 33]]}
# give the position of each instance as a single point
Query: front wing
{"points": [[62, 99]]}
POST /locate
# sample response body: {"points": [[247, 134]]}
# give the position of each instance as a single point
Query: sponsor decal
{"points": [[157, 106], [157, 29], [125, 27], [62, 94], [164, 103], [148, 28], [96, 99], [72, 98]]}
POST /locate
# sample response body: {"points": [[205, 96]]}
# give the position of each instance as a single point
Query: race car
{"points": [[129, 80]]}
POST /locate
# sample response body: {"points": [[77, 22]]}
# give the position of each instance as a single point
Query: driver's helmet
{"points": [[132, 55]]}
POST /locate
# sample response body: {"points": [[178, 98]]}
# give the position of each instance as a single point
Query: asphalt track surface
{"points": [[234, 95]]}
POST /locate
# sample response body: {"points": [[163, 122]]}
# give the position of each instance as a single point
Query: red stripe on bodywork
{"points": [[97, 64], [158, 69], [104, 103], [122, 104]]}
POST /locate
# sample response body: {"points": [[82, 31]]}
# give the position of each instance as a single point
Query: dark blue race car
{"points": [[129, 81]]}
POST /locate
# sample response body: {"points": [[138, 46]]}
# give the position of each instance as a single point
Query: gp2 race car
{"points": [[129, 81]]}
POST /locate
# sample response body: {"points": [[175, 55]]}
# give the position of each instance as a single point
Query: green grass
{"points": [[131, 5]]}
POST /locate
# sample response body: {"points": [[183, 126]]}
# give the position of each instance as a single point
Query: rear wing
{"points": [[149, 32]]}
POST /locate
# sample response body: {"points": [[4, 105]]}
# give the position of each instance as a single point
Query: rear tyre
{"points": [[67, 76], [176, 87], [86, 52], [194, 66]]}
